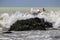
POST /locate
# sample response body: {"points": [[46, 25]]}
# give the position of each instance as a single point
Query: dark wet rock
{"points": [[7, 32], [30, 24]]}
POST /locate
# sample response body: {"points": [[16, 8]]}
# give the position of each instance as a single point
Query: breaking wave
{"points": [[50, 16]]}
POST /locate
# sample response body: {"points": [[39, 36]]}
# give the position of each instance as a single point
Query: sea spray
{"points": [[4, 18], [51, 16]]}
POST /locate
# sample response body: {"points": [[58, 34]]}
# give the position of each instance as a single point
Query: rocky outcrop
{"points": [[30, 24]]}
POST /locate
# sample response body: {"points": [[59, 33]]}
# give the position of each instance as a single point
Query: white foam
{"points": [[51, 16]]}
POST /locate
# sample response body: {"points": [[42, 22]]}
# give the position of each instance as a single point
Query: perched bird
{"points": [[44, 9]]}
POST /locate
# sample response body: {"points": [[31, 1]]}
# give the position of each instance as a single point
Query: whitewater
{"points": [[50, 16]]}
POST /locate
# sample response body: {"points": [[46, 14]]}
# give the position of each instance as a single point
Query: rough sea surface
{"points": [[31, 35]]}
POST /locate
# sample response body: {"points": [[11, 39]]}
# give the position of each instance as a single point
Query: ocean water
{"points": [[8, 18], [31, 35]]}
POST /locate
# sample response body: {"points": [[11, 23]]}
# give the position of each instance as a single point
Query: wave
{"points": [[50, 16]]}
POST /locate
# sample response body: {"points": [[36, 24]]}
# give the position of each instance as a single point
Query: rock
{"points": [[7, 32], [30, 24]]}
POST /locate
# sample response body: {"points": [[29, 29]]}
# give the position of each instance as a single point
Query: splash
{"points": [[50, 16]]}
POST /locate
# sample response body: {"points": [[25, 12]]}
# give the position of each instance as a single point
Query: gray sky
{"points": [[29, 3]]}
